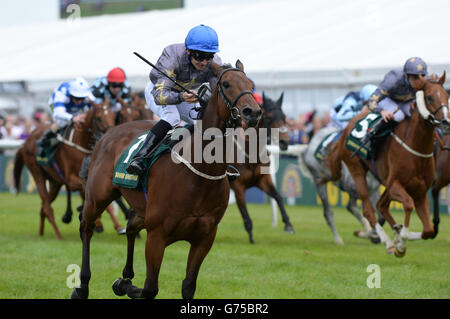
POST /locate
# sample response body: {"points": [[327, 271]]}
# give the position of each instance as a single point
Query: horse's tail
{"points": [[18, 166], [334, 162]]}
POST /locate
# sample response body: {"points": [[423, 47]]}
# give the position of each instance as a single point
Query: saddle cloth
{"points": [[321, 150], [353, 141], [124, 179]]}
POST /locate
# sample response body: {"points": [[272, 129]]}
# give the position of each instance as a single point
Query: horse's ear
{"points": [[280, 99], [216, 68], [94, 105], [239, 65], [442, 79]]}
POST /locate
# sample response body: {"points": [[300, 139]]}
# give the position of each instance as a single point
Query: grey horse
{"points": [[318, 172]]}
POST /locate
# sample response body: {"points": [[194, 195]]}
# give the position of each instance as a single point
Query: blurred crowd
{"points": [[302, 128], [13, 126]]}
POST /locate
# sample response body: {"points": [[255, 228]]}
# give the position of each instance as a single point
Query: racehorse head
{"points": [[128, 112], [274, 117], [233, 94], [433, 103], [100, 118]]}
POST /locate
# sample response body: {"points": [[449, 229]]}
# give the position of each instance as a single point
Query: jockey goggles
{"points": [[116, 84], [200, 56]]}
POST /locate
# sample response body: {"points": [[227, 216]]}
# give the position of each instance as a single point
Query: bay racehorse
{"points": [[251, 173], [184, 201], [319, 172], [132, 111], [404, 164], [442, 159], [74, 147]]}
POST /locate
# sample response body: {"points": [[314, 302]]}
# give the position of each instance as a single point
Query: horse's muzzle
{"points": [[283, 145], [251, 115]]}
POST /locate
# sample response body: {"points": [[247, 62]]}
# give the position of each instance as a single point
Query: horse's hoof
{"points": [[120, 286], [134, 292], [375, 239], [339, 241], [78, 293], [66, 219], [98, 229], [121, 231], [391, 250], [358, 233], [289, 229], [399, 253]]}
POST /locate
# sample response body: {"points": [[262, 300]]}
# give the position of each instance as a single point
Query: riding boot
{"points": [[44, 142], [366, 141], [155, 135]]}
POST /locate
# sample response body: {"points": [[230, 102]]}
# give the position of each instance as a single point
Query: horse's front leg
{"points": [[197, 254], [121, 285], [423, 211], [239, 192], [435, 193], [154, 252], [266, 184], [67, 218], [398, 193]]}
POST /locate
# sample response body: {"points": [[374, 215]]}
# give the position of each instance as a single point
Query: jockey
{"points": [[348, 106], [112, 86], [395, 94], [66, 104], [189, 64]]}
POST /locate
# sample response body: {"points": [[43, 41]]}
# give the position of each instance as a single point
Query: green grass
{"points": [[304, 265]]}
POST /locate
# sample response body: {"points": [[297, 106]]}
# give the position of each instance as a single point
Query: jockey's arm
{"points": [[164, 91]]}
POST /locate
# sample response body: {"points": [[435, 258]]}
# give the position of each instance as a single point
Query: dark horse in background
{"points": [[68, 159], [442, 179], [404, 165], [251, 174], [183, 201]]}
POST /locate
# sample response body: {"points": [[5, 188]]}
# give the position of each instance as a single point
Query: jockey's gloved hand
{"points": [[204, 94]]}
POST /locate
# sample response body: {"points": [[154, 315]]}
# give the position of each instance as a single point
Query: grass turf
{"points": [[278, 266]]}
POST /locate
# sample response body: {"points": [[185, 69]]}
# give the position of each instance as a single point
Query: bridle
{"points": [[235, 116], [427, 115]]}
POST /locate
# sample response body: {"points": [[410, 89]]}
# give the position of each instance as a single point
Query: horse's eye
{"points": [[429, 98], [226, 84]]}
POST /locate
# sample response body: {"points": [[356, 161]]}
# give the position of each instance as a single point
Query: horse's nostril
{"points": [[250, 112], [247, 111]]}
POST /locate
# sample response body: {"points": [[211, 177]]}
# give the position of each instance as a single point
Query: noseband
{"points": [[235, 116]]}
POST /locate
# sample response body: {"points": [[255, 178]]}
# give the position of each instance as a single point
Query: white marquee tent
{"points": [[314, 49]]}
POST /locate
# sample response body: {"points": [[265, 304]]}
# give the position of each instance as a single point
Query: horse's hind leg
{"points": [[197, 254], [266, 184], [239, 192], [46, 209], [328, 213]]}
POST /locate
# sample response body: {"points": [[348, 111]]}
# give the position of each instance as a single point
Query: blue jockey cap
{"points": [[338, 102], [415, 66], [202, 38], [366, 92]]}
